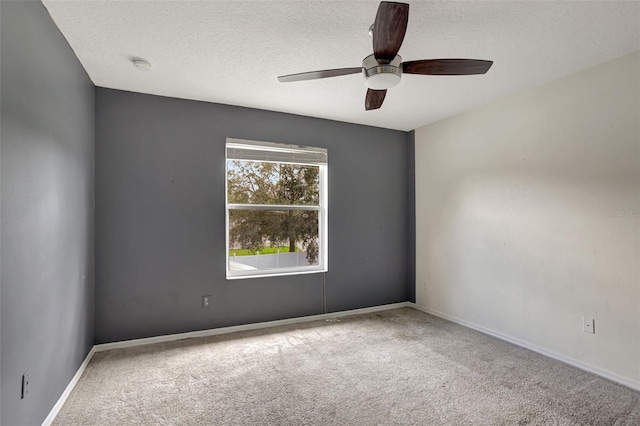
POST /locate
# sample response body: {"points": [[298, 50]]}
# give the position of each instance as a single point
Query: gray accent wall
{"points": [[160, 217], [46, 218], [411, 216]]}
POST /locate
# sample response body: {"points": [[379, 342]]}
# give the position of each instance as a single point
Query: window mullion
{"points": [[272, 207]]}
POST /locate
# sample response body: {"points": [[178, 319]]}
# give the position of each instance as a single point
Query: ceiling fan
{"points": [[384, 68]]}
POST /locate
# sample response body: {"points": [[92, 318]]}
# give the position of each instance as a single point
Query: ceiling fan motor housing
{"points": [[381, 75]]}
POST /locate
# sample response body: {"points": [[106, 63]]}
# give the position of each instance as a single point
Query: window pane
{"points": [[272, 239], [254, 182]]}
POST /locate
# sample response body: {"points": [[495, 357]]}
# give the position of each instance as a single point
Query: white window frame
{"points": [[280, 153]]}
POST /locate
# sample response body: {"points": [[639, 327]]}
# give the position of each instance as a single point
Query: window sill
{"points": [[275, 273]]}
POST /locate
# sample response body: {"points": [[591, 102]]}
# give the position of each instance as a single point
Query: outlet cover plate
{"points": [[589, 325], [206, 302], [25, 385]]}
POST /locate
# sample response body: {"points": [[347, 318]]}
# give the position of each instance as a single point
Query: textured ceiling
{"points": [[232, 51]]}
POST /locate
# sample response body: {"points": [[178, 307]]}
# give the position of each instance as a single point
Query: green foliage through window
{"points": [[277, 184]]}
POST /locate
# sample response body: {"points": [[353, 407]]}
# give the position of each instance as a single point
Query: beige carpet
{"points": [[399, 367]]}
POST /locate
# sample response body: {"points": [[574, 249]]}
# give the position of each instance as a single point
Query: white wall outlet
{"points": [[206, 302], [25, 385], [589, 325]]}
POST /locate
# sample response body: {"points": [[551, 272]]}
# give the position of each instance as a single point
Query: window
{"points": [[276, 209]]}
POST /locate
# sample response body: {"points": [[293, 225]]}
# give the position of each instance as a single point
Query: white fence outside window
{"points": [[269, 261]]}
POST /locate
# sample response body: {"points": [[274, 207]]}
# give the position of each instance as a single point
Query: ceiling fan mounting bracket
{"points": [[380, 74]]}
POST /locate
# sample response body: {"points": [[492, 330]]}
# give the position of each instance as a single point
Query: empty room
{"points": [[319, 212]]}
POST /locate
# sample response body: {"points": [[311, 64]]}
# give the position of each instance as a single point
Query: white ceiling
{"points": [[232, 51]]}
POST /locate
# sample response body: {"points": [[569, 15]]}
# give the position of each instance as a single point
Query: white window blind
{"points": [[240, 149]]}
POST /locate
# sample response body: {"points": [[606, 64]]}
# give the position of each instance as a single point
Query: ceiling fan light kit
{"points": [[384, 68], [383, 76]]}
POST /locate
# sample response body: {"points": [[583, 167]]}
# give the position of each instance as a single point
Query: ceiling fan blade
{"points": [[374, 99], [388, 29], [447, 67], [313, 75]]}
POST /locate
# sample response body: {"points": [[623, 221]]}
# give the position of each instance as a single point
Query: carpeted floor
{"points": [[398, 367]]}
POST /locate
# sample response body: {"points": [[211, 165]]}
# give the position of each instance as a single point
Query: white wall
{"points": [[513, 227]]}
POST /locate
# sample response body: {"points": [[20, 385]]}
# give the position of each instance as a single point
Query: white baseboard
{"points": [[67, 391], [245, 327], [546, 352]]}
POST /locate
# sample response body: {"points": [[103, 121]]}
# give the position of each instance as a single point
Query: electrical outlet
{"points": [[25, 385], [206, 302], [589, 325]]}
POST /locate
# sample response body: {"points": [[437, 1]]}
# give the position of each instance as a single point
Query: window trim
{"points": [[313, 157]]}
